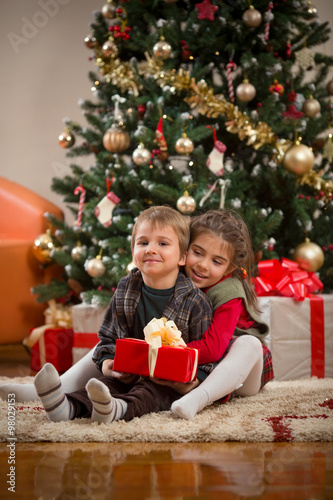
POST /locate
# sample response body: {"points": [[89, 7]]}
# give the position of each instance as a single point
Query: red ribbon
{"points": [[317, 337], [285, 278]]}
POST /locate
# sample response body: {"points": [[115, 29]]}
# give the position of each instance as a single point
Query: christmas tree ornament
{"points": [[66, 139], [311, 107], [223, 190], [78, 252], [276, 88], [328, 149], [141, 155], [103, 210], [75, 286], [109, 10], [90, 41], [329, 87], [268, 18], [184, 145], [42, 247], [116, 139], [312, 10], [206, 10], [231, 66], [215, 159], [160, 139], [252, 17], [305, 58], [245, 92], [298, 159], [80, 189], [309, 256], [162, 49], [95, 267], [110, 49], [292, 113], [186, 204]]}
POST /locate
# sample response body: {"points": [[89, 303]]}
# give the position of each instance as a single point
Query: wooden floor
{"points": [[160, 471]]}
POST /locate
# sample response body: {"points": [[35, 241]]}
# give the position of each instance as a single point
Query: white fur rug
{"points": [[297, 410]]}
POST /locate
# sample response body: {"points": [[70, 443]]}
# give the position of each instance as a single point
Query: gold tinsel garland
{"points": [[201, 97]]}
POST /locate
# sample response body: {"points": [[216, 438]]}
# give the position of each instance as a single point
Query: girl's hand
{"points": [[179, 387], [125, 378]]}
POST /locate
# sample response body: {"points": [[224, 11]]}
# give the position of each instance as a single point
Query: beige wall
{"points": [[44, 72]]}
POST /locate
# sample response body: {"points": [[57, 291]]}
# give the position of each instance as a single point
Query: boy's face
{"points": [[156, 253], [208, 260]]}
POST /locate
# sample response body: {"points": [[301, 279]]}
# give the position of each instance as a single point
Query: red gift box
{"points": [[179, 364], [54, 346]]}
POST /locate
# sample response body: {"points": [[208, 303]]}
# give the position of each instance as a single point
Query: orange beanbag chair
{"points": [[21, 221]]}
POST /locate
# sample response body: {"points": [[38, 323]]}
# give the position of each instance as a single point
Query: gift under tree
{"points": [[197, 105]]}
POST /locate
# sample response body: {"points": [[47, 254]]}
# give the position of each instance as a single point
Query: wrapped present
{"points": [[163, 354], [285, 278], [301, 335], [87, 319], [83, 342], [54, 346], [53, 341]]}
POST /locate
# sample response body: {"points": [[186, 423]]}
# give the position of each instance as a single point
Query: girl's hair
{"points": [[165, 216], [232, 229]]}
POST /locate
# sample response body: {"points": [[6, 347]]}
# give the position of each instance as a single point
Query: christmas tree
{"points": [[197, 105]]}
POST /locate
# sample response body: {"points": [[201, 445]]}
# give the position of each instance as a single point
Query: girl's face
{"points": [[208, 260]]}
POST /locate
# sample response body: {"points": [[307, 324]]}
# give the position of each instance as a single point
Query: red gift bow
{"points": [[285, 278]]}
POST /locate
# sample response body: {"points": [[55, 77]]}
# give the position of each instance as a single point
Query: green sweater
{"points": [[230, 289]]}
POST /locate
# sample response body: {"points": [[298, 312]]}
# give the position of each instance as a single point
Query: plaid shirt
{"points": [[188, 307]]}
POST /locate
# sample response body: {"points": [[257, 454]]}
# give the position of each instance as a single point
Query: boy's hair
{"points": [[165, 216], [232, 229]]}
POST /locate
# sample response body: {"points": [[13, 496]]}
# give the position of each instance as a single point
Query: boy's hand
{"points": [[125, 378], [179, 387]]}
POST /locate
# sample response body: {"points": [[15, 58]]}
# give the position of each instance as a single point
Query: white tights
{"points": [[239, 371], [74, 378]]}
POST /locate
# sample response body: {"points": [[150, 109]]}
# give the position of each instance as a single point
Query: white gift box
{"points": [[300, 337], [87, 320]]}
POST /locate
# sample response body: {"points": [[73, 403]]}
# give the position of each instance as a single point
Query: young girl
{"points": [[219, 261]]}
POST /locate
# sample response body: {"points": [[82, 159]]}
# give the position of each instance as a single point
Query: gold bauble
{"points": [[252, 17], [130, 267], [141, 155], [42, 247], [109, 10], [66, 139], [329, 87], [162, 49], [246, 91], [116, 139], [298, 159], [309, 256], [311, 107], [186, 204], [90, 41], [110, 49], [78, 252], [184, 145], [95, 267]]}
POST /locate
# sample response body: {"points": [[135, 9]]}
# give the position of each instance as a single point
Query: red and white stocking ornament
{"points": [[105, 207], [215, 159]]}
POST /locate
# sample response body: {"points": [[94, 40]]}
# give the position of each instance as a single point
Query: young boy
{"points": [[155, 288]]}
